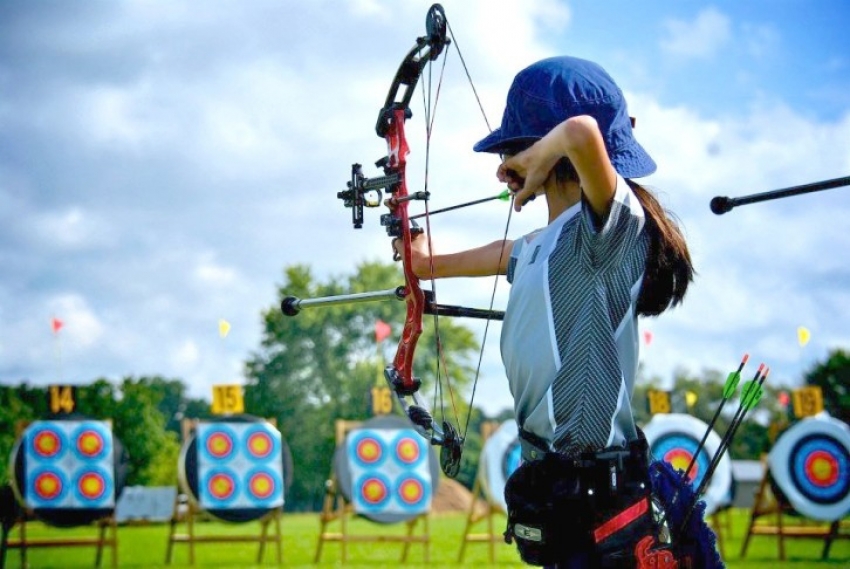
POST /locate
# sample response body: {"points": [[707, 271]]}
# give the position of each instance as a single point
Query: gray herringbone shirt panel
{"points": [[590, 279]]}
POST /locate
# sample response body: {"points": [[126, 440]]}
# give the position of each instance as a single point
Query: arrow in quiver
{"points": [[675, 437]]}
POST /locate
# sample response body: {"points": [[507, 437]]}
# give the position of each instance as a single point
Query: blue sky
{"points": [[161, 162]]}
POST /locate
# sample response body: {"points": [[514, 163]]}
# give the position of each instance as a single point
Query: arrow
{"points": [[751, 394], [728, 390], [504, 196]]}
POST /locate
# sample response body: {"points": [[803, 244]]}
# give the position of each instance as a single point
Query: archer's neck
{"points": [[561, 197]]}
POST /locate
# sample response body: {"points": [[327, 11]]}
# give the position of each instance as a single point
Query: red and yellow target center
{"points": [[221, 486], [92, 485], [369, 450], [261, 485], [260, 445], [48, 486], [411, 491], [407, 450], [374, 491], [47, 444], [680, 459], [822, 469], [219, 445], [90, 443]]}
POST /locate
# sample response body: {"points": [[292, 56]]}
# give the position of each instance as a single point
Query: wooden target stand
{"points": [[227, 400], [475, 515], [336, 507], [62, 403], [772, 516]]}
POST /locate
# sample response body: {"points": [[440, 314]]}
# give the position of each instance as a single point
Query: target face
{"points": [[89, 444], [373, 491], [811, 465], [411, 491], [388, 470], [500, 456], [675, 439], [408, 451], [48, 443], [218, 443], [68, 465], [239, 466], [368, 450], [48, 487]]}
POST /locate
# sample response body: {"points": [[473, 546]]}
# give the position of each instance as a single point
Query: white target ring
{"points": [[675, 437], [499, 458], [810, 463]]}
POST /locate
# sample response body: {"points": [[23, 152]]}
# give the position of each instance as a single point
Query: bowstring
{"points": [[504, 237], [430, 112]]}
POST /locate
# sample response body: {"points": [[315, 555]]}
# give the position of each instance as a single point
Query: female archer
{"points": [[608, 254]]}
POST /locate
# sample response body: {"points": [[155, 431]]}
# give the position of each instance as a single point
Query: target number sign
{"points": [[227, 400], [382, 400], [62, 399], [658, 401], [808, 401]]}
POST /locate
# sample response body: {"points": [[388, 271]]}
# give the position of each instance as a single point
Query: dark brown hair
{"points": [[669, 269]]}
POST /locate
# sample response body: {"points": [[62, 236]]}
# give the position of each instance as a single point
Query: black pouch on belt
{"points": [[547, 517]]}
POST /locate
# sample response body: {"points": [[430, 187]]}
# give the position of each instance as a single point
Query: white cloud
{"points": [[701, 38]]}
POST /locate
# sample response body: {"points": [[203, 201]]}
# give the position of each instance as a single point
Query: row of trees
{"points": [[321, 366]]}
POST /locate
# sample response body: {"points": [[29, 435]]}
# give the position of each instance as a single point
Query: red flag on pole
{"points": [[56, 324], [382, 330]]}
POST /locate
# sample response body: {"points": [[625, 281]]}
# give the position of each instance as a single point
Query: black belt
{"points": [[611, 467]]}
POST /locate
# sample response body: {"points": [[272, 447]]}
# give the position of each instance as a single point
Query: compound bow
{"points": [[366, 192]]}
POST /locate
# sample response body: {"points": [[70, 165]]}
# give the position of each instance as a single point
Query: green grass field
{"points": [[145, 546]]}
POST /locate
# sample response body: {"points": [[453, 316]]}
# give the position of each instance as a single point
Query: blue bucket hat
{"points": [[552, 90]]}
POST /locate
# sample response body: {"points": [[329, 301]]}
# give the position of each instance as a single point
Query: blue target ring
{"points": [[372, 491], [91, 433], [93, 497], [47, 487], [218, 443], [409, 450], [403, 487], [263, 486], [810, 465], [513, 458], [261, 443], [679, 449], [367, 450], [220, 487], [820, 468], [46, 442]]}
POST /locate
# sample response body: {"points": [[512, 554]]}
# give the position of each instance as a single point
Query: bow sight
{"points": [[366, 192]]}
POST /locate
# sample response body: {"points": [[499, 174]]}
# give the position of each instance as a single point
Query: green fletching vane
{"points": [[746, 391], [504, 196], [731, 384], [754, 397]]}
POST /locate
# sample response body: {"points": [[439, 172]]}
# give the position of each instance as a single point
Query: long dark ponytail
{"points": [[669, 269]]}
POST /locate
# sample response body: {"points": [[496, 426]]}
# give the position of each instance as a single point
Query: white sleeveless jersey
{"points": [[569, 339]]}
